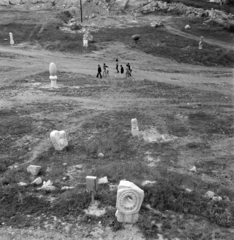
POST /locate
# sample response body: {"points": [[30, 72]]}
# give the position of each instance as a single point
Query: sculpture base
{"points": [[53, 82], [126, 218], [135, 132]]}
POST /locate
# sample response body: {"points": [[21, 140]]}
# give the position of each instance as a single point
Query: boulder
{"points": [[103, 180], [209, 194], [33, 169]]}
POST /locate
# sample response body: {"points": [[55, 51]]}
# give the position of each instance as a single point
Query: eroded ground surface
{"points": [[191, 105]]}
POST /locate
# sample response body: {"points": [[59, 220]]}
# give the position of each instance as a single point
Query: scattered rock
{"points": [[78, 166], [33, 169], [188, 190], [156, 24], [47, 186], [187, 27], [209, 194], [94, 210], [22, 184], [66, 188], [101, 155], [136, 37], [64, 164], [218, 198], [75, 27], [147, 182], [37, 181], [103, 180], [193, 169]]}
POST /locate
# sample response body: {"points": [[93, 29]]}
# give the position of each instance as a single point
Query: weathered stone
{"points": [[47, 186], [37, 181], [22, 184], [103, 180], [59, 139], [128, 203], [209, 194], [33, 169]]}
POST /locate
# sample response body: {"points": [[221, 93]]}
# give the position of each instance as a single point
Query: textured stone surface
{"points": [[59, 139], [33, 169], [129, 200]]}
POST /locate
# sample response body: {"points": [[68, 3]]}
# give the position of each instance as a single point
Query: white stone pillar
{"points": [[11, 39]]}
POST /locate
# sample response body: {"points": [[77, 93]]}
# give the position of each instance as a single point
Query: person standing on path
{"points": [[127, 73], [129, 68], [117, 65], [104, 70], [99, 71], [121, 69]]}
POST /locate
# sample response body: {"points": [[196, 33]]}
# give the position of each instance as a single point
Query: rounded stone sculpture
{"points": [[136, 37], [59, 139], [11, 38], [53, 77], [134, 127], [128, 203]]}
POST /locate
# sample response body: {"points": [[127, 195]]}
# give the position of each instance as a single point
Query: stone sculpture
{"points": [[53, 77], [134, 127], [11, 39], [201, 43], [128, 203], [59, 139]]}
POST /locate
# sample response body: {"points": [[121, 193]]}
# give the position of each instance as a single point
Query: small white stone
{"points": [[78, 166], [147, 182], [103, 180], [66, 188], [22, 184], [37, 181], [33, 169], [48, 186], [187, 27], [217, 198], [193, 169], [209, 194], [100, 155], [188, 190]]}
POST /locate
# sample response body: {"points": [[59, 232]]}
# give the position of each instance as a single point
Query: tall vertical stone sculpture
{"points": [[11, 39], [134, 127], [53, 77], [128, 203], [201, 43], [59, 139]]}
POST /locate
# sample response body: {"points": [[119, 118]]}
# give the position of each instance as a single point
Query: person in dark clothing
{"points": [[117, 66], [99, 71], [130, 70], [121, 69]]}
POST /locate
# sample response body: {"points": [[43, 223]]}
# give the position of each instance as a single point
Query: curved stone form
{"points": [[53, 77], [11, 38], [128, 203], [59, 139], [134, 127]]}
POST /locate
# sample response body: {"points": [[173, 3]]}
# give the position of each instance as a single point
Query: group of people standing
{"points": [[127, 70]]}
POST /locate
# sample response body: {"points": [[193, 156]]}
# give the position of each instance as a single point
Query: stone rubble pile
{"points": [[150, 6]]}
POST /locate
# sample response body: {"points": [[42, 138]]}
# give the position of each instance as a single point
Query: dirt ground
{"points": [[191, 105]]}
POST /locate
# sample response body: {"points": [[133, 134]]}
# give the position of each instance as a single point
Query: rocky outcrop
{"points": [[152, 6]]}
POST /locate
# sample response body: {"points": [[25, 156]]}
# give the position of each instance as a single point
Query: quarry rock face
{"points": [[4, 2]]}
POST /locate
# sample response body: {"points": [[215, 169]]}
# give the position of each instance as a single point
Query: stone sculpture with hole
{"points": [[128, 203]]}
